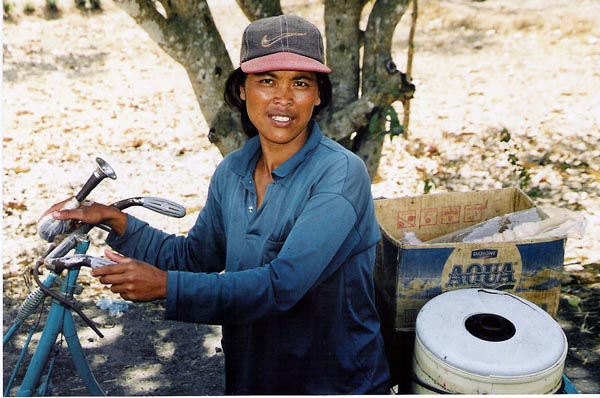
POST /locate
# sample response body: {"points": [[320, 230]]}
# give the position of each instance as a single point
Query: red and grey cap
{"points": [[284, 42]]}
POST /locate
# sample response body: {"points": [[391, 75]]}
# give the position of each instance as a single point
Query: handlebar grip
{"points": [[49, 228], [164, 206]]}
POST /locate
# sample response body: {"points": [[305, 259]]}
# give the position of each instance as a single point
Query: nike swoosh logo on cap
{"points": [[266, 42]]}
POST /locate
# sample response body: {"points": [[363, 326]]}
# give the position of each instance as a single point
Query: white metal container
{"points": [[482, 341]]}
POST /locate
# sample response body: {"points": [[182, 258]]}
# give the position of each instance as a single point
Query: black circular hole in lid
{"points": [[490, 327]]}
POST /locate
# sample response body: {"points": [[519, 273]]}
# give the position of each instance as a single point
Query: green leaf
{"points": [[575, 302]]}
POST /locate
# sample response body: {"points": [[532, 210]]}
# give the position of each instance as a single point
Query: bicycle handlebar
{"points": [[159, 205], [49, 229], [56, 262]]}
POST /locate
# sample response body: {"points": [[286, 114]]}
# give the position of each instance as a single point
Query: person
{"points": [[290, 219]]}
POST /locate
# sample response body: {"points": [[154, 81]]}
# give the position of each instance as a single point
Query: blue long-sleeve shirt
{"points": [[297, 299]]}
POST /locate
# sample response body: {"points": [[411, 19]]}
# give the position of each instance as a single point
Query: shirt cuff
{"points": [[133, 225]]}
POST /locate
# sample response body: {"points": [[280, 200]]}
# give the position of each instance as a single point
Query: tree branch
{"points": [[378, 69], [149, 18], [257, 9], [409, 62], [191, 38], [383, 20], [357, 114]]}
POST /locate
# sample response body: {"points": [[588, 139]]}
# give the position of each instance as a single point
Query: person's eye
{"points": [[266, 81], [301, 83]]}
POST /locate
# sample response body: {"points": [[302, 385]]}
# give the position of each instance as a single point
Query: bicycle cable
{"points": [[64, 301]]}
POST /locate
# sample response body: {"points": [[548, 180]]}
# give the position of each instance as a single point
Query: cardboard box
{"points": [[408, 275]]}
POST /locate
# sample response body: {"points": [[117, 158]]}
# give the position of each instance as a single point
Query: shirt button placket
{"points": [[250, 207]]}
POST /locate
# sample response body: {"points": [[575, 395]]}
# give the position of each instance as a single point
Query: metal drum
{"points": [[481, 341]]}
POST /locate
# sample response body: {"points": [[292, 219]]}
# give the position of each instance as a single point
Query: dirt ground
{"points": [[507, 95]]}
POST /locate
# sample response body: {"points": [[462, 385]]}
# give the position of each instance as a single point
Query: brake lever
{"points": [[59, 264]]}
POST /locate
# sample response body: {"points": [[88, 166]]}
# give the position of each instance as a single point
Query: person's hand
{"points": [[89, 213], [134, 280], [56, 207]]}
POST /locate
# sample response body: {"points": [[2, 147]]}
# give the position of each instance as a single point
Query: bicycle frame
{"points": [[60, 321], [60, 317]]}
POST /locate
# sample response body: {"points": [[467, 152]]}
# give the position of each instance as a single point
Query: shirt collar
{"points": [[251, 151]]}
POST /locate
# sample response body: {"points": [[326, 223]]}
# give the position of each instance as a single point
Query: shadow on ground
{"points": [[141, 354]]}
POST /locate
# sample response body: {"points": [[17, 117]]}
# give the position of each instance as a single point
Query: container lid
{"points": [[491, 333]]}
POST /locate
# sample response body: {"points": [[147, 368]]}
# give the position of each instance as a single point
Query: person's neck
{"points": [[271, 160], [274, 155]]}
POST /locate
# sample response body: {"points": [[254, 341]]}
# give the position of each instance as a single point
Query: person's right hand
{"points": [[89, 213]]}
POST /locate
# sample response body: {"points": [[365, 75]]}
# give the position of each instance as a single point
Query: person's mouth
{"points": [[281, 119]]}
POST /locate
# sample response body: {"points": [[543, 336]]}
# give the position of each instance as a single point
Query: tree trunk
{"points": [[185, 29]]}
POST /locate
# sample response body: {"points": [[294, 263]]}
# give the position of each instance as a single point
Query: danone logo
{"points": [[484, 253], [497, 268]]}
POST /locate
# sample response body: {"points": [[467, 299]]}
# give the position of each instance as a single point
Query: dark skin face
{"points": [[280, 105]]}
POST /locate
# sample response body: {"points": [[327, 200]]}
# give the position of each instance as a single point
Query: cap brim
{"points": [[283, 61]]}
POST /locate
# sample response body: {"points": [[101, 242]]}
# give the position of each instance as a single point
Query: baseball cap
{"points": [[284, 42]]}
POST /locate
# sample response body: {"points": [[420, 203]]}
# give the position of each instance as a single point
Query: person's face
{"points": [[280, 103]]}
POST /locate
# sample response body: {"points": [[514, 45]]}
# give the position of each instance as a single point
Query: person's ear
{"points": [[242, 93]]}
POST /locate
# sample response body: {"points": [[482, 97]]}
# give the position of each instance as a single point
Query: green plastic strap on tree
{"points": [[393, 126]]}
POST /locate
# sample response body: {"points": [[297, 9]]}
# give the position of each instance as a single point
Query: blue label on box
{"points": [[425, 273]]}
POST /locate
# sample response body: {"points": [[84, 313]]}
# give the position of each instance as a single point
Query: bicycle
{"points": [[66, 237]]}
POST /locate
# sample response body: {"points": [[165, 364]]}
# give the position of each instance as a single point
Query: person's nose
{"points": [[284, 96]]}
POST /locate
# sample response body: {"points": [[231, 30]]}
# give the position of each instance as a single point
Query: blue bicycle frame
{"points": [[60, 321], [60, 318]]}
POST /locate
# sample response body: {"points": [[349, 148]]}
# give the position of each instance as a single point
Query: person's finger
{"points": [[120, 288], [55, 207], [115, 269], [120, 267], [67, 215], [114, 256]]}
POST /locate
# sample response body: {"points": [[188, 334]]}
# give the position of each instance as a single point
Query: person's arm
{"points": [[320, 242], [142, 276], [202, 250]]}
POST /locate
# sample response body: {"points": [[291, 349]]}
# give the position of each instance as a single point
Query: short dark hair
{"points": [[237, 78]]}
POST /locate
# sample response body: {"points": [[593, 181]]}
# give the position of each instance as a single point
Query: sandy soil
{"points": [[80, 84]]}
